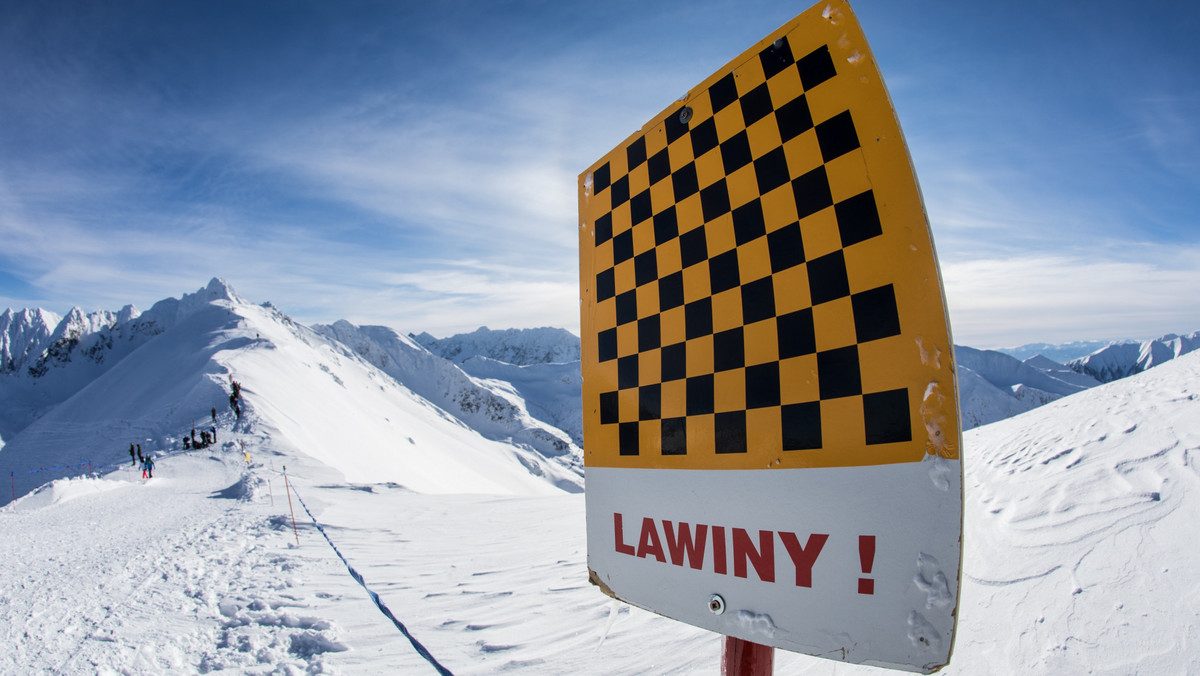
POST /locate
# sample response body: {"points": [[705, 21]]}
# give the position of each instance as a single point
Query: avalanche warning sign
{"points": [[770, 411]]}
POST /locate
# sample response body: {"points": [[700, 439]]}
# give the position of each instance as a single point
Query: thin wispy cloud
{"points": [[415, 165]]}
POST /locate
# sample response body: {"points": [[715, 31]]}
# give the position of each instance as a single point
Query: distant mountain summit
{"points": [[513, 346], [1121, 360], [364, 401]]}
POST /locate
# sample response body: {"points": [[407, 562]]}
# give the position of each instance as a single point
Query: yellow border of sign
{"points": [[929, 375]]}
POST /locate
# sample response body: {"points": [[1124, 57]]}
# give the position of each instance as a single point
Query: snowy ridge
{"points": [[1121, 360], [514, 346], [24, 335], [495, 408], [994, 386], [120, 378]]}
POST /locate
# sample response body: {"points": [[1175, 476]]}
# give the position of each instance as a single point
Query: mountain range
{"points": [[518, 387], [445, 480]]}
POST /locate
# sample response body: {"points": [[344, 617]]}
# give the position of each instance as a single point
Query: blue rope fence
{"points": [[421, 649]]}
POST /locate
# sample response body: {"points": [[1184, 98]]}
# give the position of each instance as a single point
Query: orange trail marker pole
{"points": [[744, 658], [289, 494]]}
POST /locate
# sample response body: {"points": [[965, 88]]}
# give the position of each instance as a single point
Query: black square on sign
{"points": [[674, 362], [700, 395], [723, 271], [674, 436], [650, 402], [606, 285], [607, 348], [762, 385], [670, 291], [858, 219], [604, 228], [620, 191], [704, 137], [793, 118], [645, 267], [756, 104], [729, 350], [797, 334], [609, 411], [649, 333], [636, 153], [722, 93], [714, 200], [639, 207], [812, 192], [627, 372], [787, 247], [684, 182], [838, 373], [630, 444], [836, 136], [600, 179], [730, 432], [875, 314], [693, 247], [697, 318], [816, 68], [758, 300], [886, 417], [827, 278], [674, 127], [802, 426], [659, 166], [776, 57], [666, 225], [771, 170], [623, 247], [735, 152], [748, 222], [626, 307]]}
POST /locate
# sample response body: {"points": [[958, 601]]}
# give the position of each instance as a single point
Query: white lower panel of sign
{"points": [[858, 564]]}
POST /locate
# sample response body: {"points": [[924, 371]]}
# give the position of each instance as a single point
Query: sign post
{"points": [[771, 428]]}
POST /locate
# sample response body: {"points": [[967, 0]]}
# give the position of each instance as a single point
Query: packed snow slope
{"points": [[1079, 558], [152, 379]]}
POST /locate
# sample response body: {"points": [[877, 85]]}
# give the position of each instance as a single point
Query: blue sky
{"points": [[414, 164]]}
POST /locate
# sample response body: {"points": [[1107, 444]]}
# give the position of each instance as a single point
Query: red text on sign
{"points": [[682, 544]]}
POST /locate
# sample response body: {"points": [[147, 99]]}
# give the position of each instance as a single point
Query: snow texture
{"points": [[1079, 519]]}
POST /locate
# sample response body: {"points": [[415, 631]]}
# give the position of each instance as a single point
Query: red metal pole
{"points": [[744, 658]]}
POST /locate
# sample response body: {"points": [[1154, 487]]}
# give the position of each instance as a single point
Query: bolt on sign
{"points": [[770, 408]]}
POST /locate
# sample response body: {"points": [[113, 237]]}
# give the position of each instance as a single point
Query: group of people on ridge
{"points": [[207, 437], [145, 461]]}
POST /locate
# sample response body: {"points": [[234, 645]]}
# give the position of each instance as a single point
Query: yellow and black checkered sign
{"points": [[759, 287]]}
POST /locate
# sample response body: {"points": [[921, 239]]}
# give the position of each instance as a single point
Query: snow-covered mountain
{"points": [[521, 347], [1121, 360], [106, 380], [1058, 352], [495, 404], [1079, 523], [994, 386]]}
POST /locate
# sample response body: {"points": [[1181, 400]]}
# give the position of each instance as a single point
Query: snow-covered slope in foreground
{"points": [[1080, 558]]}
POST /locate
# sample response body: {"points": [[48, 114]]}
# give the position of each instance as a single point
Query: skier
{"points": [[214, 414], [214, 434], [139, 452], [187, 444], [148, 467], [131, 460]]}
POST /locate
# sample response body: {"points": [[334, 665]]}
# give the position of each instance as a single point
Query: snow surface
{"points": [[1079, 527]]}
